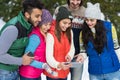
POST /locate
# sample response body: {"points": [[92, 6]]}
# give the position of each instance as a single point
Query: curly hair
{"points": [[29, 5]]}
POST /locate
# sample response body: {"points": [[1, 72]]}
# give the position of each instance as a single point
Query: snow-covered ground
{"points": [[85, 75]]}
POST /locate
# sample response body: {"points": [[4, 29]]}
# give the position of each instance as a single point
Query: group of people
{"points": [[36, 42]]}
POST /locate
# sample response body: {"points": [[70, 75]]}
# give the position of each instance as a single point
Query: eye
{"points": [[37, 16]]}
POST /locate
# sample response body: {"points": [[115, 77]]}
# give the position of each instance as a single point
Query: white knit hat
{"points": [[93, 11]]}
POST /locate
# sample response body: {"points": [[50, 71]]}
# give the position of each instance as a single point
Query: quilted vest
{"points": [[30, 71]]}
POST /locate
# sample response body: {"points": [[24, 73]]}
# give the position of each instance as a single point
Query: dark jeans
{"points": [[48, 78], [24, 78]]}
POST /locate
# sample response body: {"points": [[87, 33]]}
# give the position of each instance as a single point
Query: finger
{"points": [[67, 58], [76, 55], [32, 57], [78, 60]]}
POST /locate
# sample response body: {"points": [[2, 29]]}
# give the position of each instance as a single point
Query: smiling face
{"points": [[65, 24], [45, 27], [75, 4], [34, 17], [91, 22]]}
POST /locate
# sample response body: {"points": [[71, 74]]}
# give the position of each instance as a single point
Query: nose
{"points": [[67, 25], [75, 2], [48, 27], [89, 22]]}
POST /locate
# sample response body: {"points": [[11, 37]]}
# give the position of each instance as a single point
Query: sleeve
{"points": [[72, 49], [115, 38], [82, 49], [7, 37], [34, 41], [49, 51], [115, 41], [37, 64]]}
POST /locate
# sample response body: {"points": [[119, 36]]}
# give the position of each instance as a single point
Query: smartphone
{"points": [[66, 63], [30, 54]]}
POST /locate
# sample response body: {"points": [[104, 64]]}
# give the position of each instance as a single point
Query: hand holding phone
{"points": [[73, 64], [30, 54]]}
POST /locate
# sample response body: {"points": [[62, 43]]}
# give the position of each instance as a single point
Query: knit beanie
{"points": [[93, 11], [46, 17], [63, 13]]}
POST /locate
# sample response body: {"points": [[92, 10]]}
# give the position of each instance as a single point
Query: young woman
{"points": [[37, 46], [98, 43], [59, 45], [77, 10]]}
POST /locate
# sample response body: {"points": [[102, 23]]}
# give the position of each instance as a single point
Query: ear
{"points": [[27, 15], [89, 4], [97, 5]]}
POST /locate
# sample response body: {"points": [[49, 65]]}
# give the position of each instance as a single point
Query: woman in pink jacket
{"points": [[37, 46]]}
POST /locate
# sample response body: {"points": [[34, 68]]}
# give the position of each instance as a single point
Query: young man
{"points": [[13, 39]]}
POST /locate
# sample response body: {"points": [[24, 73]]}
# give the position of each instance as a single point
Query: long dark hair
{"points": [[99, 40], [58, 32], [68, 2]]}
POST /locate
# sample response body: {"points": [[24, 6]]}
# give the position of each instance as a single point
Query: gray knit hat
{"points": [[63, 13], [93, 11], [46, 17]]}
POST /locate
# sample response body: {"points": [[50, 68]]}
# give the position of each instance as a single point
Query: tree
{"points": [[9, 8]]}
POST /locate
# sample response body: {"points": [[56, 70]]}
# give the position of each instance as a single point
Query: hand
{"points": [[26, 59], [68, 58], [80, 58], [49, 70], [64, 66]]}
